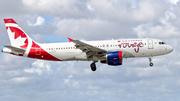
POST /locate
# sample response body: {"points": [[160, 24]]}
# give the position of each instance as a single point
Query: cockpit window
{"points": [[162, 43]]}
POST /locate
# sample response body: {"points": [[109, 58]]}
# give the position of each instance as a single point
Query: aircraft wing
{"points": [[13, 48], [90, 50]]}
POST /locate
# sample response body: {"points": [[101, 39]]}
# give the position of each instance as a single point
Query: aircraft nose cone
{"points": [[170, 49]]}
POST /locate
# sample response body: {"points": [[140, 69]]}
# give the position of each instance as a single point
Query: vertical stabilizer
{"points": [[17, 36]]}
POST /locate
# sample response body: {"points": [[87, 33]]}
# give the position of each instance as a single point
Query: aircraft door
{"points": [[150, 44]]}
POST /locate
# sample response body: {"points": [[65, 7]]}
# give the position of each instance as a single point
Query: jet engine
{"points": [[113, 58]]}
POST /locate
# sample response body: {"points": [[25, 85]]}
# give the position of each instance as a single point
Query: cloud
{"points": [[39, 67], [20, 79], [165, 29], [90, 7], [40, 21], [84, 28], [63, 8], [123, 11], [173, 1], [23, 79]]}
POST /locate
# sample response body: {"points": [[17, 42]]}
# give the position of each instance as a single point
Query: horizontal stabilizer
{"points": [[13, 48]]}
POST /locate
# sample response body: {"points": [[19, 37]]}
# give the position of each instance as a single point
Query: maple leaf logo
{"points": [[18, 37]]}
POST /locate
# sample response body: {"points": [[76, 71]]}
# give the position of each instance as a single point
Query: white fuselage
{"points": [[131, 48]]}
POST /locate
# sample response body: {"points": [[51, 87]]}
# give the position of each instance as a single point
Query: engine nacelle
{"points": [[113, 58]]}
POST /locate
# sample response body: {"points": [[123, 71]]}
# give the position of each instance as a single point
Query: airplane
{"points": [[110, 52]]}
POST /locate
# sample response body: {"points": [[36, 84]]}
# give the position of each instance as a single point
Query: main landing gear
{"points": [[150, 60], [93, 66]]}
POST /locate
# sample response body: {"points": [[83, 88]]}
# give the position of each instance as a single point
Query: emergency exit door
{"points": [[150, 44]]}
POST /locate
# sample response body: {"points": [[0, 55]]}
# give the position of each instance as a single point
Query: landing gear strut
{"points": [[150, 60], [93, 66]]}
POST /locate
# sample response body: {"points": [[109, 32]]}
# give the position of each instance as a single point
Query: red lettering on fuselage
{"points": [[134, 45]]}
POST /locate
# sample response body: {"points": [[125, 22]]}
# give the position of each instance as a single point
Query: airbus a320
{"points": [[110, 52]]}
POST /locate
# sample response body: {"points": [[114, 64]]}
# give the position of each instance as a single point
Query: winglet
{"points": [[70, 39]]}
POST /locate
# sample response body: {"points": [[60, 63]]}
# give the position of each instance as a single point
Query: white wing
{"points": [[93, 53]]}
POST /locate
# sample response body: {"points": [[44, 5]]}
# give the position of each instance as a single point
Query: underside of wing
{"points": [[93, 53]]}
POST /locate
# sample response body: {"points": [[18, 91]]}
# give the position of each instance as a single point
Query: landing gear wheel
{"points": [[150, 60], [151, 64], [93, 66]]}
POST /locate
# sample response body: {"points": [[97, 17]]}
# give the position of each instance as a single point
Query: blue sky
{"points": [[48, 19], [53, 39]]}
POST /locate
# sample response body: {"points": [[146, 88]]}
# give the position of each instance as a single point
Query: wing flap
{"points": [[92, 52], [82, 46]]}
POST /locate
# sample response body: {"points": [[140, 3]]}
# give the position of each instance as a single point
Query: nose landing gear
{"points": [[151, 64], [150, 60]]}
